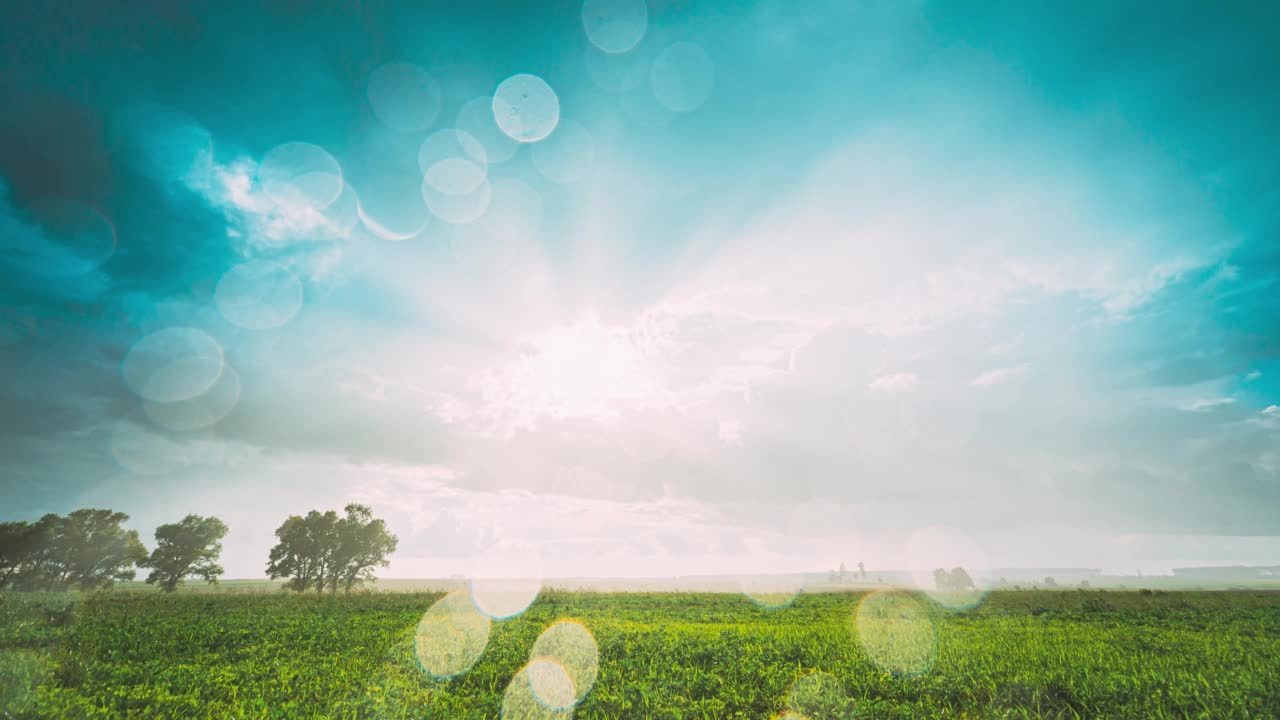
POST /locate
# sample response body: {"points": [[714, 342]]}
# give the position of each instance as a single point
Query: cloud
{"points": [[1209, 403], [998, 376], [699, 350], [730, 432], [893, 382]]}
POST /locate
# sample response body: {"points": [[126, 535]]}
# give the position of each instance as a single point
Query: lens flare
{"points": [[258, 295], [550, 683], [300, 176], [391, 206], [682, 77], [174, 364], [476, 119], [615, 26], [448, 144], [202, 411], [404, 97], [451, 636], [896, 632], [506, 579], [819, 696], [457, 209], [455, 176], [344, 214], [572, 647], [520, 702], [526, 108]]}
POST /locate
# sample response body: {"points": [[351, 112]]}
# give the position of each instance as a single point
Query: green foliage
{"points": [[19, 544], [31, 627], [326, 552], [1019, 655], [187, 548], [87, 549]]}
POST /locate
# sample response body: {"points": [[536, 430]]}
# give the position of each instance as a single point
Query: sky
{"points": [[629, 289]]}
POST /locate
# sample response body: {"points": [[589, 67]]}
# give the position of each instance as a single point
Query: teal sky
{"points": [[755, 287]]}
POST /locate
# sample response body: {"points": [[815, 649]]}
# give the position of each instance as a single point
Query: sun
{"points": [[584, 370]]}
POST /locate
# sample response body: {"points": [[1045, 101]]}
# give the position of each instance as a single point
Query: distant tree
{"points": [[87, 549], [960, 579], [95, 551], [35, 555], [299, 554], [1049, 582], [363, 544], [19, 546], [956, 580], [862, 571], [941, 579], [328, 551], [187, 548]]}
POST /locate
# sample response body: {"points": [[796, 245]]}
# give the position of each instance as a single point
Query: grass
{"points": [[1044, 654]]}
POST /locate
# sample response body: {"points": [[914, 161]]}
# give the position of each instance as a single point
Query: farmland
{"points": [[1047, 654]]}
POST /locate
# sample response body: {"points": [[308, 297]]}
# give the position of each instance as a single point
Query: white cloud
{"points": [[1208, 404], [997, 376], [730, 432], [893, 382]]}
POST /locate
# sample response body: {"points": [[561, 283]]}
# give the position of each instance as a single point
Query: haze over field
{"points": [[709, 287]]}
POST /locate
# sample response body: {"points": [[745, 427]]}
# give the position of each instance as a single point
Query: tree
{"points": [[36, 556], [299, 554], [94, 551], [941, 579], [19, 544], [186, 548], [87, 549], [363, 543], [960, 579], [328, 551], [957, 580]]}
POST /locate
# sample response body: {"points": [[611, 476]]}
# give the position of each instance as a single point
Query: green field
{"points": [[1069, 654]]}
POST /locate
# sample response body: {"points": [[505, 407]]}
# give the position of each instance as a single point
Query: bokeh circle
{"points": [[571, 646], [451, 636], [897, 632], [526, 108], [615, 26], [174, 364], [258, 295]]}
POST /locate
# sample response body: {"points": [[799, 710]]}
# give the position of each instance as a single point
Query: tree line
{"points": [[89, 549]]}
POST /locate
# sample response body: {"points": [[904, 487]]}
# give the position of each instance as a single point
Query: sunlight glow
{"points": [[584, 370]]}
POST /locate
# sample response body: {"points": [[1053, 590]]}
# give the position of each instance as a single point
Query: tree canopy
{"points": [[325, 551], [187, 548], [86, 549], [19, 543]]}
